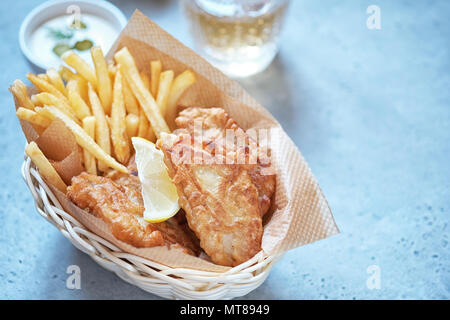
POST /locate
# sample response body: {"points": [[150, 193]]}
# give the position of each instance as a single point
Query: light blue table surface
{"points": [[369, 110]]}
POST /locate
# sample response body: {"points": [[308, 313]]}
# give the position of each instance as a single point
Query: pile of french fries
{"points": [[102, 106]]}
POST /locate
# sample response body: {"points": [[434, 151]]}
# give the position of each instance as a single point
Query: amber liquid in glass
{"points": [[239, 37]]}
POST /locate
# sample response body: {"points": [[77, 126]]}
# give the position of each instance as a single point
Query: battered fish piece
{"points": [[224, 203], [220, 201], [118, 202], [214, 123]]}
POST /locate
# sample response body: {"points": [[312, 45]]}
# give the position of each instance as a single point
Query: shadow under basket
{"points": [[163, 281]]}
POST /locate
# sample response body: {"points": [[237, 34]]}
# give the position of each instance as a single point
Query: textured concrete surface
{"points": [[370, 111]]}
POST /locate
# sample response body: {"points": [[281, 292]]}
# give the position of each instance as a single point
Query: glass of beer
{"points": [[240, 37]]}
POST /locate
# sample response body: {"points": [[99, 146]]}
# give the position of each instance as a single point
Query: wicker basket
{"points": [[148, 275]]}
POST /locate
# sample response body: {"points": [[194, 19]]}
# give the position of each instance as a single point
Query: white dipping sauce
{"points": [[98, 30]]}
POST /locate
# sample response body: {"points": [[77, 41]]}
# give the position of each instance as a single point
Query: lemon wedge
{"points": [[159, 193]]}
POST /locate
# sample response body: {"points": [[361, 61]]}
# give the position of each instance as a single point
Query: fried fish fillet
{"points": [[118, 202], [224, 203], [214, 123]]}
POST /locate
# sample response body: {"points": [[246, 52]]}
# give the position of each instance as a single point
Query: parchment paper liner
{"points": [[300, 213]]}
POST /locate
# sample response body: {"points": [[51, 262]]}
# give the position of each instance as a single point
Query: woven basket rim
{"points": [[179, 283]]}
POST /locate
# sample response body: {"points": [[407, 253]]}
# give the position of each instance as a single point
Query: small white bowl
{"points": [[56, 8]]}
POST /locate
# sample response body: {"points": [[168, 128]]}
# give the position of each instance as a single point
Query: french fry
{"points": [[44, 166], [148, 104], [68, 75], [82, 87], [181, 83], [118, 124], [19, 90], [44, 112], [55, 79], [131, 104], [143, 125], [165, 83], [80, 107], [112, 68], [83, 139], [35, 100], [144, 129], [150, 135], [145, 80], [81, 66], [132, 122], [108, 121], [89, 160], [101, 125], [33, 117], [45, 86], [155, 71], [44, 77], [103, 79], [45, 98]]}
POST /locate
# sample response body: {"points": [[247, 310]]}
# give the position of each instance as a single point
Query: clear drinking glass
{"points": [[240, 37]]}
